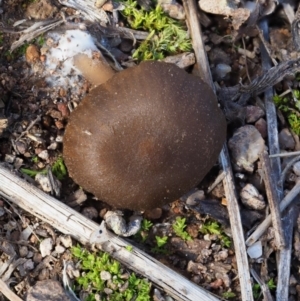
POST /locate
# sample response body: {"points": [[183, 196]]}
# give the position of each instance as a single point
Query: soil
{"points": [[37, 113]]}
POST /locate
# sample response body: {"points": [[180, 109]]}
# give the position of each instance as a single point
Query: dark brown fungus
{"points": [[145, 137]]}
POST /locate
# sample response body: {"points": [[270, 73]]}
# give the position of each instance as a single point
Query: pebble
{"points": [[286, 140], [59, 249], [46, 246], [90, 212], [222, 70], [66, 240], [255, 250], [32, 54], [251, 198], [9, 158], [43, 180], [253, 113], [23, 251], [44, 155], [28, 265], [153, 214], [245, 145], [104, 275], [261, 126], [44, 291], [195, 197]]}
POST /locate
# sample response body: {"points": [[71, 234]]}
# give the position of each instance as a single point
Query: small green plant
{"points": [[143, 233], [228, 295], [146, 225], [94, 263], [179, 227], [167, 36], [58, 168], [161, 241], [212, 227], [257, 290], [160, 245], [290, 107], [129, 248]]}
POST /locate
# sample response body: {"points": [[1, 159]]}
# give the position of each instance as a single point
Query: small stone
{"points": [[43, 180], [21, 146], [44, 155], [37, 258], [42, 9], [222, 70], [47, 290], [32, 54], [196, 268], [104, 275], [52, 146], [255, 250], [9, 158], [28, 265], [59, 124], [251, 198], [63, 108], [286, 140], [245, 145], [23, 251], [46, 246], [90, 212], [261, 126], [108, 291], [194, 198], [59, 249], [44, 274], [296, 168], [253, 113], [107, 6], [221, 256], [66, 240], [153, 214]]}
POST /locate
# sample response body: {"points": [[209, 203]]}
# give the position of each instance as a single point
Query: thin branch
{"points": [[268, 220], [273, 200]]}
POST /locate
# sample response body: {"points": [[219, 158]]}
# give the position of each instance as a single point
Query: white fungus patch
{"points": [[59, 68]]}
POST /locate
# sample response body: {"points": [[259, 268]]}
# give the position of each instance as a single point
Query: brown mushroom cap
{"points": [[145, 137]]}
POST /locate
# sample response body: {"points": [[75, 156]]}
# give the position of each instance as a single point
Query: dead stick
{"points": [[285, 257], [68, 221], [272, 195], [228, 182], [196, 33], [272, 134], [4, 289], [236, 228], [268, 220]]}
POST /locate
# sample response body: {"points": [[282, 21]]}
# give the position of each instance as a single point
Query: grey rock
{"points": [[286, 140], [253, 113], [47, 290], [245, 145]]}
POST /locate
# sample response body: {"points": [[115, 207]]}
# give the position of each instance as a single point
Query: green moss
{"points": [[290, 107], [179, 228], [92, 264], [212, 227], [167, 36]]}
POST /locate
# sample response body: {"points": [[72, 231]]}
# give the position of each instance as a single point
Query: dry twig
{"points": [[273, 200], [228, 182]]}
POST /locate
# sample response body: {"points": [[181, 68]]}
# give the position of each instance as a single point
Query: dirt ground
{"points": [[35, 110]]}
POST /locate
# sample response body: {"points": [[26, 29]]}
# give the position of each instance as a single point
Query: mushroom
{"points": [[145, 137]]}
